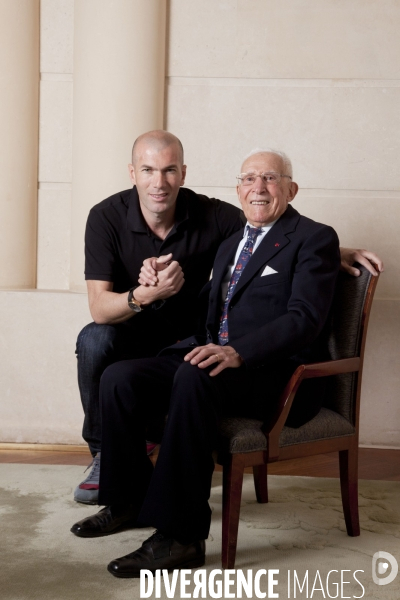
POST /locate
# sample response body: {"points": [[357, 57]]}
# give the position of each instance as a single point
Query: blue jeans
{"points": [[97, 347]]}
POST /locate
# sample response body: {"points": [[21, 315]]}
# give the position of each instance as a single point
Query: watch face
{"points": [[135, 307]]}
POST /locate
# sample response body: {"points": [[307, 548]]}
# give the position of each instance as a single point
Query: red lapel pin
{"points": [[276, 245]]}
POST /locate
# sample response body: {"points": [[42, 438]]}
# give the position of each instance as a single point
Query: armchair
{"points": [[248, 443]]}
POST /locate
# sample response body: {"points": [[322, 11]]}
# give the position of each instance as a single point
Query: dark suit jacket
{"points": [[279, 317]]}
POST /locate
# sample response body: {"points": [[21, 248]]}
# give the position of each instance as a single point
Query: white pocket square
{"points": [[268, 271]]}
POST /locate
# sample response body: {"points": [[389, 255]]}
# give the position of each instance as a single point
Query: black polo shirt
{"points": [[118, 240]]}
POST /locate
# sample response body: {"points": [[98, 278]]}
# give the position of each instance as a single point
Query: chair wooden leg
{"points": [[232, 494], [348, 463], [260, 475]]}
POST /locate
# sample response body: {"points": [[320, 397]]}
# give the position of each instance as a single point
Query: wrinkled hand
{"points": [[368, 259], [224, 357], [151, 266]]}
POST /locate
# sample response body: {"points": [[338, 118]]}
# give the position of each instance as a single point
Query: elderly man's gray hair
{"points": [[286, 160]]}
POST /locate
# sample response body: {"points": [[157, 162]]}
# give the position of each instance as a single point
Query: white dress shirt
{"points": [[231, 267]]}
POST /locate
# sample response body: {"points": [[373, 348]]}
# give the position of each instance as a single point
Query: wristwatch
{"points": [[132, 302]]}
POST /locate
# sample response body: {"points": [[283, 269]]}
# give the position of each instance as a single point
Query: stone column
{"points": [[119, 72], [19, 122]]}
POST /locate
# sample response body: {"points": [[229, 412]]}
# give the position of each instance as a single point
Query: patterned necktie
{"points": [[245, 255]]}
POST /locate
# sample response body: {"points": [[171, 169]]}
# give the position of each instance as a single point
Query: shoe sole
{"points": [[190, 564], [92, 502], [83, 534]]}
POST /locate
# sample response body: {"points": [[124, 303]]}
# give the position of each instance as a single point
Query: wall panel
{"points": [[341, 39], [337, 137], [320, 80], [55, 143]]}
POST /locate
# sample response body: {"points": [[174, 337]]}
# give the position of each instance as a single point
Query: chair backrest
{"points": [[349, 319]]}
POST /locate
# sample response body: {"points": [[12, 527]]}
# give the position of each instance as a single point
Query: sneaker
{"points": [[87, 492], [151, 446]]}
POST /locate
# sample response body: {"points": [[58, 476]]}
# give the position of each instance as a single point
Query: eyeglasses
{"points": [[267, 178]]}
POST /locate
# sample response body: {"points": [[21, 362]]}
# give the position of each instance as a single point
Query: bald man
{"points": [[156, 218]]}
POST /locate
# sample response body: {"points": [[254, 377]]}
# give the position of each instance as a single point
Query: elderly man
{"points": [[269, 299], [156, 217]]}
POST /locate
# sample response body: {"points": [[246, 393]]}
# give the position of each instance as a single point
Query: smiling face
{"points": [[158, 173], [263, 203]]}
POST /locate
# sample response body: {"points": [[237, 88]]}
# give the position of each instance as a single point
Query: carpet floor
{"points": [[300, 531]]}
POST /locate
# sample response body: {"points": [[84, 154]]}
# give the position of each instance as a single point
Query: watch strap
{"points": [[132, 302]]}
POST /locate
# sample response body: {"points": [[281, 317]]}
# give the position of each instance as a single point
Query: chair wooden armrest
{"points": [[322, 369]]}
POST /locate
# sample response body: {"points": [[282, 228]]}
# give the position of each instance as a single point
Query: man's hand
{"points": [[109, 307], [169, 281], [223, 356], [151, 266], [368, 259]]}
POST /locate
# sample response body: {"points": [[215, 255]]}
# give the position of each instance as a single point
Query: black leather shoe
{"points": [[159, 552], [107, 521]]}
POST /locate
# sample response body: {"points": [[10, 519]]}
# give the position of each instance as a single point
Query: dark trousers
{"points": [[174, 496], [97, 347]]}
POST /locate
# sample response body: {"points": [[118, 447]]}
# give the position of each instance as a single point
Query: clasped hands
{"points": [[156, 272], [163, 277]]}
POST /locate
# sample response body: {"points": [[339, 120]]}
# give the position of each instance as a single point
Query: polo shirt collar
{"points": [[136, 222]]}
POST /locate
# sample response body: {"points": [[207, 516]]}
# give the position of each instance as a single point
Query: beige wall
{"points": [[118, 94], [322, 82], [319, 80], [19, 102], [55, 143]]}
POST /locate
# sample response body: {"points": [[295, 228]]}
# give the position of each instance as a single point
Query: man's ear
{"points": [[184, 167], [131, 171], [293, 189]]}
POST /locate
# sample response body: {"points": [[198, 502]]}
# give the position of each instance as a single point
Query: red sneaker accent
{"points": [[89, 486], [151, 446]]}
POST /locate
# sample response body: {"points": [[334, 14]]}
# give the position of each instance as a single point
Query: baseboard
{"points": [[45, 447], [371, 447]]}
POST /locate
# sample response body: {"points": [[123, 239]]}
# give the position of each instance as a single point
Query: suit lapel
{"points": [[224, 259], [275, 240]]}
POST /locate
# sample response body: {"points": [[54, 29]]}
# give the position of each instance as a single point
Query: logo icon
{"points": [[380, 565]]}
